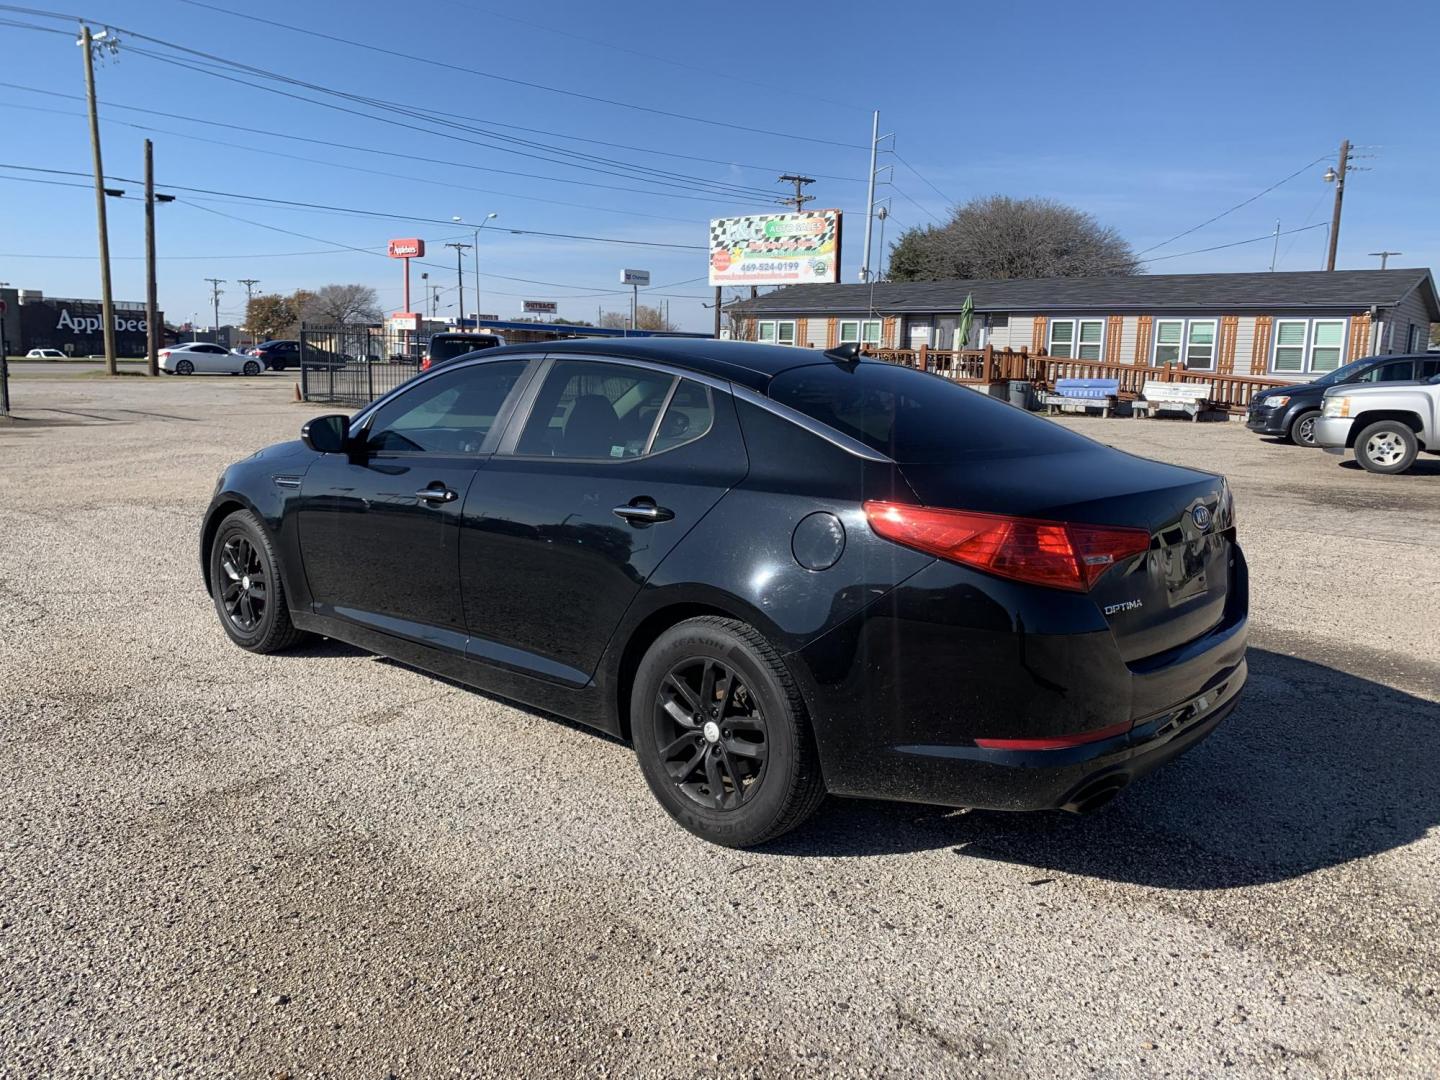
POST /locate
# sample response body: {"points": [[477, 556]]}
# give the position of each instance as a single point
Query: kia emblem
{"points": [[1201, 516]]}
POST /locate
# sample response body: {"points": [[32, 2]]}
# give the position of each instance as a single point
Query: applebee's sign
{"points": [[409, 248], [92, 324]]}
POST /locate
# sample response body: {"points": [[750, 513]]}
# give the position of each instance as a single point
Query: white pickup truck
{"points": [[1387, 424]]}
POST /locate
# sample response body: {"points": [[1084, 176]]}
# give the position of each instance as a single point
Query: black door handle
{"points": [[643, 512], [436, 495]]}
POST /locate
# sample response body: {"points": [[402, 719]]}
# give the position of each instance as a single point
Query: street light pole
{"points": [[488, 218], [107, 301]]}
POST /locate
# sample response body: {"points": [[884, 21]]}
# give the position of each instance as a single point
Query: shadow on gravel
{"points": [[1424, 466], [1315, 768]]}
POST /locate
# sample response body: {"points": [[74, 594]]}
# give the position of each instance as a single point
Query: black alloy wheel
{"points": [[246, 586], [184, 367], [722, 734], [711, 733], [252, 368], [244, 591]]}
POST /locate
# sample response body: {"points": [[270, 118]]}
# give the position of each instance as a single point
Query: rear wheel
{"points": [[252, 368], [1386, 446], [1302, 429], [245, 583], [722, 734], [184, 367]]}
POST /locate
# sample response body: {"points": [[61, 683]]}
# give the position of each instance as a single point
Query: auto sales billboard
{"points": [[776, 249]]}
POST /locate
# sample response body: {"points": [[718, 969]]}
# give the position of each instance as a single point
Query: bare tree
{"points": [[1001, 237], [342, 305], [646, 318]]}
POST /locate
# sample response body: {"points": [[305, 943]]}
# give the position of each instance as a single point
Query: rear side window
{"points": [[595, 411], [1395, 371], [914, 417], [687, 417]]}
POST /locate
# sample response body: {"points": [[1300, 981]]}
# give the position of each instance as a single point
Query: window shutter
{"points": [[831, 332], [802, 332], [1037, 336], [1142, 339], [1112, 339], [1260, 350], [1359, 336], [1229, 327], [889, 338]]}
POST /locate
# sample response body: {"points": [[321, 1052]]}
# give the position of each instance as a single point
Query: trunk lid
{"points": [[1175, 593]]}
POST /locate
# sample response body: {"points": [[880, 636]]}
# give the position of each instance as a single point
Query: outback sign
{"points": [[409, 248]]}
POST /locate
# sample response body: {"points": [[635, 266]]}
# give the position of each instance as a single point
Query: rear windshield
{"points": [[913, 417], [443, 348]]}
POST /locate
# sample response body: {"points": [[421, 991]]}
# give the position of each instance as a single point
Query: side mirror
{"points": [[327, 434]]}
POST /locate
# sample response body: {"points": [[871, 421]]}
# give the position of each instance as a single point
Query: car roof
{"points": [[743, 362]]}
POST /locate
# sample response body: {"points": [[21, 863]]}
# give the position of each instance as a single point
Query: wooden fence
{"points": [[989, 365]]}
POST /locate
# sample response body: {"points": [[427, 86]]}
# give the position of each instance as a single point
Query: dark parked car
{"points": [[778, 572], [446, 347], [1290, 412], [278, 354]]}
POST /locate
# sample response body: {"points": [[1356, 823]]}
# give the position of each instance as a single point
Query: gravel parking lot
{"points": [[326, 864]]}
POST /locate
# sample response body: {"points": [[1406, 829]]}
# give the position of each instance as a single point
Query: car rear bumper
{"points": [[918, 720], [1333, 432]]}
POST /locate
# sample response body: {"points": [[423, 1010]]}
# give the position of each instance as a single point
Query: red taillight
{"points": [[425, 363], [1060, 554]]}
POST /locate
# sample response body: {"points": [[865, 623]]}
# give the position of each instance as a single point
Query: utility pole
{"points": [[249, 283], [1275, 250], [799, 198], [870, 194], [215, 293], [1385, 256], [460, 250], [1337, 177], [717, 312], [107, 301], [152, 308]]}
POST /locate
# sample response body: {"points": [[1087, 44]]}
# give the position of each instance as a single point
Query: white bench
{"points": [[1191, 398]]}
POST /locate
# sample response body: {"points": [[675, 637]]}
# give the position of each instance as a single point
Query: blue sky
{"points": [[1153, 117]]}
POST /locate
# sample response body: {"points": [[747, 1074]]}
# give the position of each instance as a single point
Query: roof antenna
{"points": [[849, 353]]}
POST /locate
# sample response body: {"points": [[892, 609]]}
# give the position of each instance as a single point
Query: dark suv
{"points": [[446, 347], [1290, 412]]}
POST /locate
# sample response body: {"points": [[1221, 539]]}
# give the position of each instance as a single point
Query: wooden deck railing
{"points": [[989, 365]]}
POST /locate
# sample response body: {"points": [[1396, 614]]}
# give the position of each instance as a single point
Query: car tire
{"points": [[251, 368], [184, 367], [722, 733], [242, 558], [1386, 446], [1302, 428]]}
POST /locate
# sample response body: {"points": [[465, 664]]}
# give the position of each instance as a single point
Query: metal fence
{"points": [[353, 365]]}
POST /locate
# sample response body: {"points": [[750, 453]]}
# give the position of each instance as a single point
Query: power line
{"points": [[1237, 206], [371, 213], [431, 63], [1234, 243], [948, 201]]}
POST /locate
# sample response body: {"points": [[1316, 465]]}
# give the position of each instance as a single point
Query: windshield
{"points": [[913, 417], [1340, 374]]}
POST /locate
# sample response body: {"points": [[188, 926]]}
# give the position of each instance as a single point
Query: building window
{"points": [[1200, 345], [777, 331], [860, 332], [1412, 339], [1303, 345], [1082, 339], [1169, 333]]}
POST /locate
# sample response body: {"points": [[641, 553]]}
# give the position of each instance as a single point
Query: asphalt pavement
{"points": [[326, 864]]}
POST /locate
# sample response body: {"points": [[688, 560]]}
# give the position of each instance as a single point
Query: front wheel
{"points": [[184, 367], [1302, 429], [722, 733], [1386, 446], [245, 584]]}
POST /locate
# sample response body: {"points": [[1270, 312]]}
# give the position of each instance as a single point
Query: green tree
{"points": [[1001, 237], [270, 315]]}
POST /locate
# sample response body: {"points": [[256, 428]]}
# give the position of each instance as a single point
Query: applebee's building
{"points": [[75, 327]]}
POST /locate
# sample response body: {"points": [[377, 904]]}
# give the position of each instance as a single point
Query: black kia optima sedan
{"points": [[777, 572]]}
